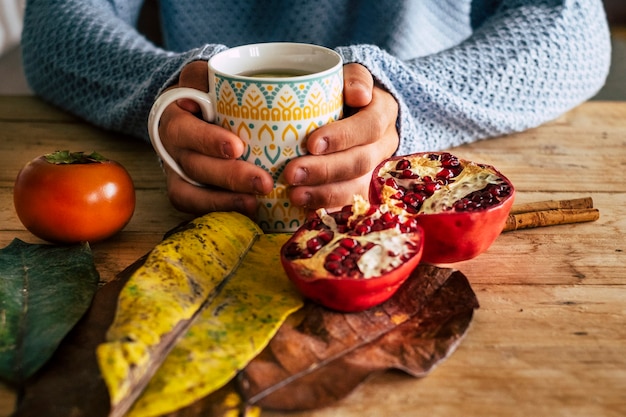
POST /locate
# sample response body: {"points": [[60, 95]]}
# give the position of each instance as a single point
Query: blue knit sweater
{"points": [[461, 70]]}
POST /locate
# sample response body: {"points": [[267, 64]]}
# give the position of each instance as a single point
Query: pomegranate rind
{"points": [[348, 293], [456, 237], [451, 236]]}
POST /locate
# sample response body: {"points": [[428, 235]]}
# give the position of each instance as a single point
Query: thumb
{"points": [[358, 84]]}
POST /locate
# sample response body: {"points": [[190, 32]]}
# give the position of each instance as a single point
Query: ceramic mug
{"points": [[272, 95]]}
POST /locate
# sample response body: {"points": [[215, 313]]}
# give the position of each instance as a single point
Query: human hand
{"points": [[343, 154], [208, 154]]}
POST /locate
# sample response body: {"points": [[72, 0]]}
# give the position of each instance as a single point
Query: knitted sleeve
{"points": [[86, 57], [527, 64]]}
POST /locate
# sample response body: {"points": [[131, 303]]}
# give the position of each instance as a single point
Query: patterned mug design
{"points": [[274, 118]]}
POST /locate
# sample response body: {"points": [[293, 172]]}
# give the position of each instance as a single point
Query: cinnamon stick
{"points": [[551, 217], [577, 203]]}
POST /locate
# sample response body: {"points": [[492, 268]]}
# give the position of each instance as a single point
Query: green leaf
{"points": [[44, 291]]}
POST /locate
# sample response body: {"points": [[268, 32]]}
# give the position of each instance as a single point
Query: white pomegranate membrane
{"points": [[360, 241], [439, 182]]}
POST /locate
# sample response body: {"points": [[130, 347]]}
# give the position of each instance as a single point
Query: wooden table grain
{"points": [[549, 338]]}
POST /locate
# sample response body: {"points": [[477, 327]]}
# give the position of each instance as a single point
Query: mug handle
{"points": [[164, 100]]}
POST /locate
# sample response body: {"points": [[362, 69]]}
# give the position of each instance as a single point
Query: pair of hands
{"points": [[341, 155]]}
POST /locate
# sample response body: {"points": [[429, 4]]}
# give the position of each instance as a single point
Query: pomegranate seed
{"points": [[348, 243], [362, 229], [483, 199], [494, 192], [349, 264], [403, 164], [343, 217], [503, 190], [388, 217], [460, 205], [357, 251], [449, 161], [445, 174], [413, 201], [401, 205], [334, 268], [314, 245], [431, 187], [390, 182], [334, 257], [326, 236]]}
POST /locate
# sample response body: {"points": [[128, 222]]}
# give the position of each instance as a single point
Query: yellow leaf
{"points": [[231, 331], [180, 275], [211, 296]]}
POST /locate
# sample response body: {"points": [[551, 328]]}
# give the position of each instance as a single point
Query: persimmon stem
{"points": [[67, 157]]}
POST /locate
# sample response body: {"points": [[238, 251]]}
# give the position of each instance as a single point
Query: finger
{"points": [[228, 174], [364, 127], [193, 75], [197, 200], [357, 85], [340, 166], [182, 132], [331, 196]]}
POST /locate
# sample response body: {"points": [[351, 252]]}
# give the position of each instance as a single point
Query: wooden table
{"points": [[550, 336]]}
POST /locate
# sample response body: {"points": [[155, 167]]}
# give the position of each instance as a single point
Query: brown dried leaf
{"points": [[320, 356]]}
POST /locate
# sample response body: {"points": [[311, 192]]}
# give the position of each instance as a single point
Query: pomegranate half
{"points": [[461, 205], [355, 258]]}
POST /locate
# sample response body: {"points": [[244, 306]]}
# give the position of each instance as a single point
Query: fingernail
{"points": [[227, 150], [257, 185], [306, 200], [300, 176], [321, 146]]}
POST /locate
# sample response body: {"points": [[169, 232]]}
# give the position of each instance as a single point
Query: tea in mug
{"points": [[275, 73]]}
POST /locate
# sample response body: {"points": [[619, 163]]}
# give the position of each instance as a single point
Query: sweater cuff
{"points": [[198, 54]]}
